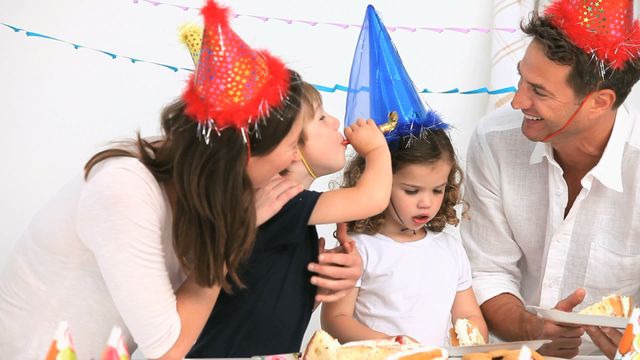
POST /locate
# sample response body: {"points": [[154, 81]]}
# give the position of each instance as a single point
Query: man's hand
{"points": [[337, 269], [272, 197], [605, 338], [565, 338]]}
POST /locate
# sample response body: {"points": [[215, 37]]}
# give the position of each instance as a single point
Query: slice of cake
{"points": [[465, 333], [612, 305], [323, 346]]}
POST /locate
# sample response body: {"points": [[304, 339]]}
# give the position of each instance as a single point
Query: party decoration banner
{"points": [[173, 68]]}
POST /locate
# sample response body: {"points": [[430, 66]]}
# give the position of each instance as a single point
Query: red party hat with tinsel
{"points": [[604, 28], [233, 84]]}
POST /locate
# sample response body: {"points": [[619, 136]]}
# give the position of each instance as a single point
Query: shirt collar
{"points": [[540, 150], [609, 169]]}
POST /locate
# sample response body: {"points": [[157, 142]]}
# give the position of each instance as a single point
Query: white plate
{"points": [[455, 351], [581, 319]]}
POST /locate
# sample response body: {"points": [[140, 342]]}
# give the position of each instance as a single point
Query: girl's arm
{"points": [[371, 194], [465, 306], [337, 319]]}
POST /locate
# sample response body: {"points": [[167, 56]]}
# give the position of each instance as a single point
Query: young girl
{"points": [[416, 278], [271, 315], [153, 231]]}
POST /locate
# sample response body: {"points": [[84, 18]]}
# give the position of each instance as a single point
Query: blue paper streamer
{"points": [[322, 88]]}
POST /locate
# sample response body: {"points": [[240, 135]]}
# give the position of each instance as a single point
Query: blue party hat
{"points": [[381, 89]]}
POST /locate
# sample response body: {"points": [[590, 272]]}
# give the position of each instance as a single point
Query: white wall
{"points": [[59, 104]]}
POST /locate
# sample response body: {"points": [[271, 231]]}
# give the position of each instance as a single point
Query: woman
{"points": [[154, 230]]}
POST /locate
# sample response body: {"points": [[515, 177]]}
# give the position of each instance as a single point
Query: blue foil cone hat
{"points": [[381, 89]]}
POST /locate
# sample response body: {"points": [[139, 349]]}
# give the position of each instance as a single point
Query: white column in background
{"points": [[507, 48]]}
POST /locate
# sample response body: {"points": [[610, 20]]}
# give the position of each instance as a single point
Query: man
{"points": [[554, 184]]}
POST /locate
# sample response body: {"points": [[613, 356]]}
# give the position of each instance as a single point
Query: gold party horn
{"points": [[386, 127]]}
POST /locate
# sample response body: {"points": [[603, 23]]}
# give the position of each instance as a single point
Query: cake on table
{"points": [[465, 333], [323, 346]]}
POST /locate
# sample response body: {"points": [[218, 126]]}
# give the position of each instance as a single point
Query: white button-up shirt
{"points": [[517, 237]]}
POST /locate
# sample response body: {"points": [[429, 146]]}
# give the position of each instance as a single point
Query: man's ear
{"points": [[603, 100]]}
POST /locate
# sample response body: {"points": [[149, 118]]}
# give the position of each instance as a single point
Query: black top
{"points": [[271, 315]]}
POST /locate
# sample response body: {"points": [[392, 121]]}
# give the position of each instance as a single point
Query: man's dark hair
{"points": [[587, 73]]}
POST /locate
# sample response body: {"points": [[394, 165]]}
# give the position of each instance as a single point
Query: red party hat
{"points": [[233, 84], [605, 28]]}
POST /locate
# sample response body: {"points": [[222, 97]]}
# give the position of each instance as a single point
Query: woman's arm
{"points": [[122, 218], [337, 270], [194, 305]]}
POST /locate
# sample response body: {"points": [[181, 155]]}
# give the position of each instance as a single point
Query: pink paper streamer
{"points": [[462, 30], [175, 69]]}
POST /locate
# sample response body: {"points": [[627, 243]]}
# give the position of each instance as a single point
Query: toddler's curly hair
{"points": [[428, 148]]}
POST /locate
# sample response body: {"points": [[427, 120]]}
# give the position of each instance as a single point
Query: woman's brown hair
{"points": [[432, 146], [214, 219]]}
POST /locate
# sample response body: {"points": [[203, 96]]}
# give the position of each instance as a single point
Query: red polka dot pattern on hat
{"points": [[603, 27], [230, 72], [234, 85]]}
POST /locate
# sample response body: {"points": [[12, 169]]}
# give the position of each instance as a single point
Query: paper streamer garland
{"points": [[78, 46], [323, 88], [339, 25]]}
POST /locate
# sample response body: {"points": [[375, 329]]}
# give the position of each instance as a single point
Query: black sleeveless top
{"points": [[271, 315]]}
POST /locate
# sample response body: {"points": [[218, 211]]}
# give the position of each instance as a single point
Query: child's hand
{"points": [[272, 197], [365, 136], [404, 339]]}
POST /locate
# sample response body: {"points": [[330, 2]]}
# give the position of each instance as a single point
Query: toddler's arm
{"points": [[465, 306], [337, 319], [371, 194]]}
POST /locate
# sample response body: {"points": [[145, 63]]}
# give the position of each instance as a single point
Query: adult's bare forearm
{"points": [[508, 319]]}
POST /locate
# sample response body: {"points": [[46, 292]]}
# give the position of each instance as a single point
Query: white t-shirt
{"points": [[409, 288], [99, 254]]}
